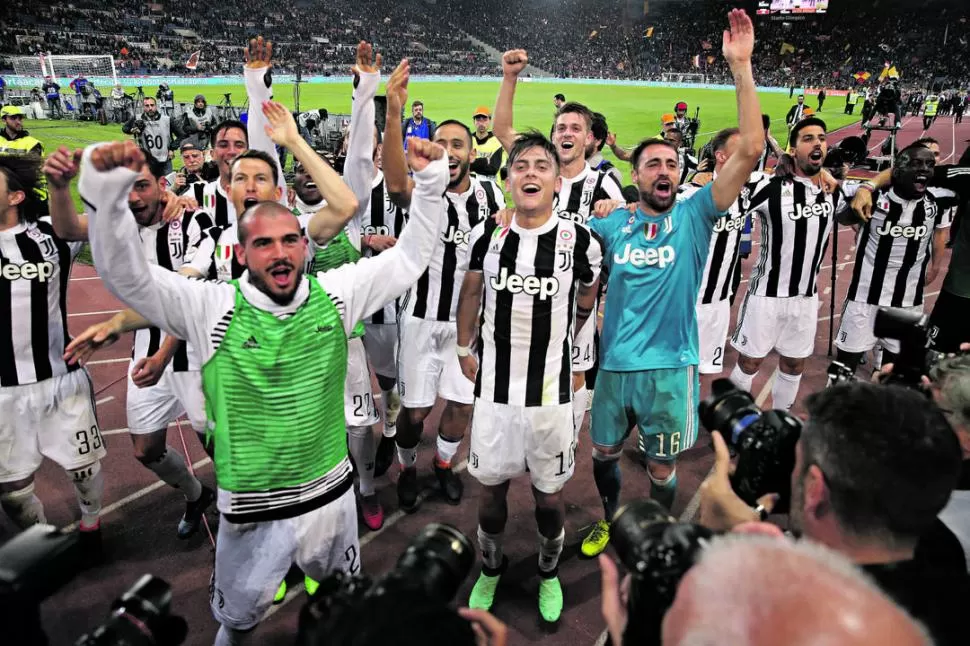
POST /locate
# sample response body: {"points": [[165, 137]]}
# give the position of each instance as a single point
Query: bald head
{"points": [[261, 210], [757, 591]]}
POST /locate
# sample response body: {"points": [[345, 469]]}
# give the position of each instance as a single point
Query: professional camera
{"points": [[658, 551], [839, 373], [764, 441], [139, 125], [40, 560], [431, 569], [140, 617], [916, 356]]}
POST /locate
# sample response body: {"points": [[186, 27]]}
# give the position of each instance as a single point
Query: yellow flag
{"points": [[648, 33], [786, 48]]}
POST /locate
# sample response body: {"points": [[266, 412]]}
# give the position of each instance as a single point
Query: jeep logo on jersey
{"points": [[39, 271], [578, 218], [897, 231], [377, 231], [805, 211], [531, 285], [456, 236], [660, 256], [729, 224]]}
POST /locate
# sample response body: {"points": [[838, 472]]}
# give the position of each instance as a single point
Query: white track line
{"points": [[953, 139], [104, 400], [105, 362], [101, 313], [297, 590], [85, 278]]}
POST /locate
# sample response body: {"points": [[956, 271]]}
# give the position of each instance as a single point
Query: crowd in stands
{"points": [[581, 38]]}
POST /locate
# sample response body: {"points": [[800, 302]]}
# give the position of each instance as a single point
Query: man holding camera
{"points": [[153, 131], [655, 258], [873, 468], [899, 250], [197, 123], [195, 170]]}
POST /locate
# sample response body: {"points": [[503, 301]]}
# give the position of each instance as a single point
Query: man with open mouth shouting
{"points": [[655, 258]]}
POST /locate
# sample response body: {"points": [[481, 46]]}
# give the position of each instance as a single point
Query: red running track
{"points": [[141, 514]]}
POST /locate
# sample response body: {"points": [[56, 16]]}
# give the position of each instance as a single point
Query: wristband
{"points": [[869, 186], [463, 351]]}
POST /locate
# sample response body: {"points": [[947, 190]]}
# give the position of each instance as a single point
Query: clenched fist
{"points": [[514, 61], [61, 166], [422, 152], [117, 154]]}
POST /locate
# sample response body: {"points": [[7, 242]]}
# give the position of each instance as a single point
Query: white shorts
{"points": [[154, 408], [787, 325], [507, 439], [584, 348], [359, 408], [53, 418], [855, 330], [427, 365], [380, 341], [713, 320], [252, 558]]}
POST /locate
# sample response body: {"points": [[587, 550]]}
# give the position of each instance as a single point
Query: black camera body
{"points": [[658, 551], [431, 568], [764, 441], [913, 331]]}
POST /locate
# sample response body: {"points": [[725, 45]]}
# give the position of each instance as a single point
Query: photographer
{"points": [[153, 132], [873, 467], [950, 388], [166, 99], [197, 123], [814, 596], [195, 169]]}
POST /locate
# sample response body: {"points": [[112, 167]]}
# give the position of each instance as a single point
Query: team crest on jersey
{"points": [[652, 229], [566, 240], [224, 252], [36, 234], [175, 224]]}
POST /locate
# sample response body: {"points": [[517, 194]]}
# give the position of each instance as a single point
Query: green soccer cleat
{"points": [[598, 539], [280, 593], [550, 599], [483, 594], [310, 585]]}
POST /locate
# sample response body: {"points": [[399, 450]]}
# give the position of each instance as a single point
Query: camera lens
{"points": [[728, 410], [438, 560], [634, 527]]}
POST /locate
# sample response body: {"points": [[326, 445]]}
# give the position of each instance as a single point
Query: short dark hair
{"points": [[575, 108], [600, 129], [532, 139], [889, 457], [719, 141], [909, 150], [453, 122], [646, 143], [227, 124], [561, 97], [765, 121], [801, 125], [155, 167], [262, 156], [416, 103], [926, 141], [23, 174]]}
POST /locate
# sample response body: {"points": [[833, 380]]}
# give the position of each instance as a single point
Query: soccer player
{"points": [[282, 467], [229, 140], [899, 249], [780, 309], [428, 356], [594, 151], [579, 189], [48, 405], [655, 258], [526, 283]]}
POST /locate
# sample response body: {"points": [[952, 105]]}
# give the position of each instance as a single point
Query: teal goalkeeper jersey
{"points": [[655, 266]]}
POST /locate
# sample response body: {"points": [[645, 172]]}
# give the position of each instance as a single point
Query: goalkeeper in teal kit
{"points": [[655, 258]]}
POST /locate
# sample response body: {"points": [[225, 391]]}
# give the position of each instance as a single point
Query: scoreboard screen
{"points": [[791, 7]]}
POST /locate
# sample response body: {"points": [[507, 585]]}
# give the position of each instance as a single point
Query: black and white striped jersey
{"points": [[213, 199], [893, 247], [687, 164], [577, 195], [170, 245], [528, 307], [384, 218], [435, 296], [717, 281], [35, 265], [796, 218]]}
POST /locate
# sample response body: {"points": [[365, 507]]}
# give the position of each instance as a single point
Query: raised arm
{"points": [[469, 306], [621, 153], [359, 165], [367, 285], [513, 62], [59, 169], [182, 307], [258, 73], [341, 203], [399, 185], [738, 46]]}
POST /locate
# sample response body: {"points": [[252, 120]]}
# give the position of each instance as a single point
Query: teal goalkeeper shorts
{"points": [[661, 403]]}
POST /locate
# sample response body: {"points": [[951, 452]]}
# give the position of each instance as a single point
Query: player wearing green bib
{"points": [[274, 350]]}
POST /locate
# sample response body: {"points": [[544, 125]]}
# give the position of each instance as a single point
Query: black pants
{"points": [[949, 322]]}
